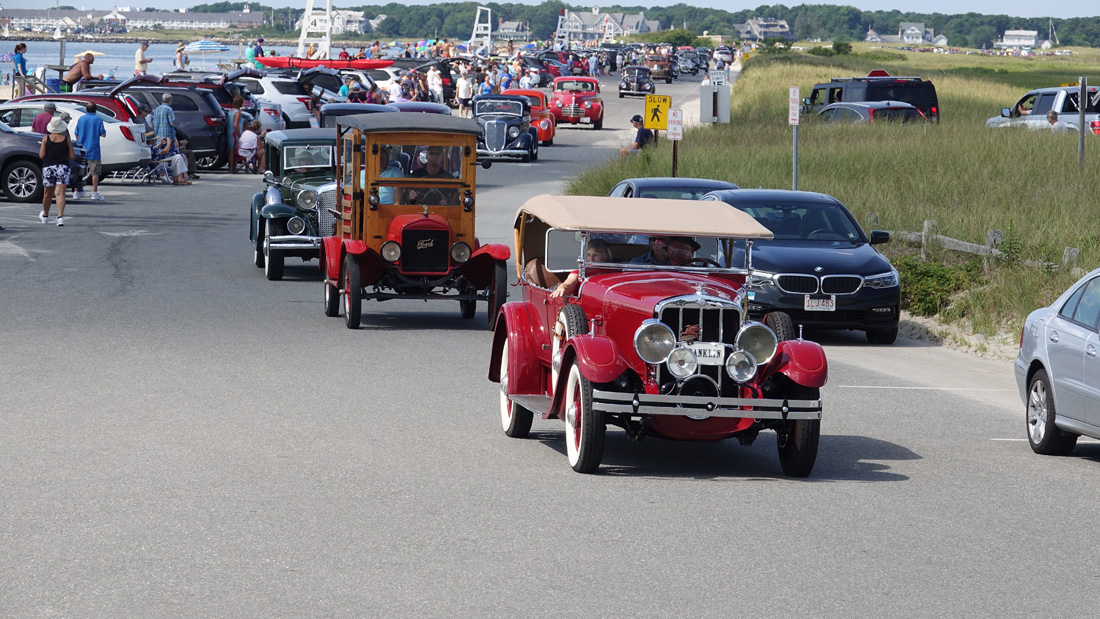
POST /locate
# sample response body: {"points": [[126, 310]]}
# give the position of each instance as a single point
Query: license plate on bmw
{"points": [[820, 304], [708, 353]]}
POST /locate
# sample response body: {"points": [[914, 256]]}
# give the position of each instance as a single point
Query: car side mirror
{"points": [[879, 236], [269, 176], [1006, 112]]}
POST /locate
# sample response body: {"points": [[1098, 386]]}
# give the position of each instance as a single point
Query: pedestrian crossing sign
{"points": [[656, 112]]}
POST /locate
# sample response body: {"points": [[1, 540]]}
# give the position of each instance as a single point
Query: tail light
{"points": [[213, 121], [871, 111], [126, 133], [1094, 126], [306, 101], [272, 111], [935, 113]]}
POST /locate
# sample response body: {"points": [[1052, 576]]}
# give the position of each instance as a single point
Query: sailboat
{"points": [[57, 33], [7, 33]]}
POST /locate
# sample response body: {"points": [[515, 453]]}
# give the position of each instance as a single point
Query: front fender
{"points": [[515, 322], [597, 357], [254, 216], [278, 211], [498, 251], [801, 361], [331, 255], [480, 267]]}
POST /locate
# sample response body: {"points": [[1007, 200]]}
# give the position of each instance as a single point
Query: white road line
{"points": [[923, 388], [1079, 441]]}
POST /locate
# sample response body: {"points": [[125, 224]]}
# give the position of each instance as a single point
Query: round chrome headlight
{"points": [[460, 252], [587, 105], [624, 85], [653, 341], [513, 132], [649, 86], [557, 103], [682, 362], [545, 124], [286, 181], [307, 198], [757, 340], [741, 366], [295, 225], [391, 251]]}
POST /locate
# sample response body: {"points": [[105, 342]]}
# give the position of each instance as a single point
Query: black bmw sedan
{"points": [[820, 267]]}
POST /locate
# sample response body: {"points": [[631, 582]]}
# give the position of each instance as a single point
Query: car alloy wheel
{"points": [[1042, 434], [23, 182]]}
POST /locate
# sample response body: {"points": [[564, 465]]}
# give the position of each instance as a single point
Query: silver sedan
{"points": [[1058, 371]]}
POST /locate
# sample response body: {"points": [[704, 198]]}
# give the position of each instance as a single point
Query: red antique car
{"points": [[577, 100], [650, 333], [404, 207], [541, 118]]}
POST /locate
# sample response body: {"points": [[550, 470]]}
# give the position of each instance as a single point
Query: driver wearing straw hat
{"points": [[79, 71]]}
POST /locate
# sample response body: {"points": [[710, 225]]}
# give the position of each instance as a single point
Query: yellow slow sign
{"points": [[656, 112]]}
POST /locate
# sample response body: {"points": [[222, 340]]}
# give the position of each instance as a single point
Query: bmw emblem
{"points": [[818, 269]]}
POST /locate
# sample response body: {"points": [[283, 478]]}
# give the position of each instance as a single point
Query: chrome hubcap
{"points": [[1037, 412]]}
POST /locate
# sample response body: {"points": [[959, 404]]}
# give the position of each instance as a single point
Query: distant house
{"points": [[1018, 39], [594, 25], [760, 28], [512, 31], [909, 33], [343, 21]]}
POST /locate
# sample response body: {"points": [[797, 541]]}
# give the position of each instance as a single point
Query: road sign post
{"points": [[1081, 126], [792, 119], [675, 133]]}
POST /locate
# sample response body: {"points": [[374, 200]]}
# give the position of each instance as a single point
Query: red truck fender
{"points": [[802, 361], [331, 257], [515, 323], [498, 251]]}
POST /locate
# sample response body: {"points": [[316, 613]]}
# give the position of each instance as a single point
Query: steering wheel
{"points": [[432, 197], [819, 231], [705, 261]]}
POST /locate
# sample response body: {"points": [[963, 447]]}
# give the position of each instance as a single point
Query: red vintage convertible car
{"points": [[650, 333], [541, 118], [577, 100]]}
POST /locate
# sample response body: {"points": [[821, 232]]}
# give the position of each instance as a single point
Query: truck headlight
{"points": [[513, 132], [757, 340], [460, 252], [308, 199], [391, 251], [741, 366], [587, 105], [653, 341], [682, 362], [884, 280]]}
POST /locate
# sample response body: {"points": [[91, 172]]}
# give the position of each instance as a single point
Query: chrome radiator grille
{"points": [[572, 110], [425, 251], [496, 131], [716, 324], [326, 223]]}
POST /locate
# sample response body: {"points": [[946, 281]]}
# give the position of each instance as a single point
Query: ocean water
{"points": [[118, 57]]}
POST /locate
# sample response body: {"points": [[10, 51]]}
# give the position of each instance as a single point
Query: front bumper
{"points": [[513, 153], [867, 309], [293, 243], [679, 405]]}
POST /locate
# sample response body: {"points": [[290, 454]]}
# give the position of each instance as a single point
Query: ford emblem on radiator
{"points": [[425, 243]]}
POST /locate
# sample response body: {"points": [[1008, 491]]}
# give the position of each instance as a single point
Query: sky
{"points": [[1016, 8]]}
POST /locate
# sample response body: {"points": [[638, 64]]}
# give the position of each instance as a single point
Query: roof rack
{"points": [[892, 78]]}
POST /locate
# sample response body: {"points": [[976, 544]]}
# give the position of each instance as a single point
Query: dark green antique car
{"points": [[289, 218]]}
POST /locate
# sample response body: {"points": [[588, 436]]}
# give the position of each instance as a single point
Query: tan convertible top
{"points": [[643, 216]]}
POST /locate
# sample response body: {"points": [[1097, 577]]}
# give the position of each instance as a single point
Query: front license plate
{"points": [[708, 353], [819, 304], [585, 119]]}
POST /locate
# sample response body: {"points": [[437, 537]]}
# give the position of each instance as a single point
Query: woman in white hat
{"points": [[55, 152]]}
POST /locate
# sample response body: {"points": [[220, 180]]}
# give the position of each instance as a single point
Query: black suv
{"points": [[877, 86], [198, 114]]}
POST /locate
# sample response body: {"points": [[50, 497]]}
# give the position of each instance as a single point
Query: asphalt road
{"points": [[183, 438]]}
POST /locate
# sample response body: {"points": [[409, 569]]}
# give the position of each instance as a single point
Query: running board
{"points": [[537, 404]]}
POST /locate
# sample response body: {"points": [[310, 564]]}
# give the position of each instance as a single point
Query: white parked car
{"points": [[288, 93], [122, 148]]}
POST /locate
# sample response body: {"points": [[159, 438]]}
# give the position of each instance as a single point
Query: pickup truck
{"points": [[1031, 110]]}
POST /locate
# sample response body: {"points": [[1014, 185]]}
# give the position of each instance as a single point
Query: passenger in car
{"points": [[598, 251]]}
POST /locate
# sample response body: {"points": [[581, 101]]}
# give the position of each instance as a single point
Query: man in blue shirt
{"points": [[642, 138], [88, 131], [164, 119]]}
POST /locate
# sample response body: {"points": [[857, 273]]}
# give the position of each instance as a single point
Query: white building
{"points": [[909, 33], [48, 19], [343, 22], [1018, 39], [594, 25]]}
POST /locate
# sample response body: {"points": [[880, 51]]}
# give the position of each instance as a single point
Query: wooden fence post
{"points": [[927, 238]]}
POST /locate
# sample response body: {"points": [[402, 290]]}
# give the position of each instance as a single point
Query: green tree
{"points": [[841, 47]]}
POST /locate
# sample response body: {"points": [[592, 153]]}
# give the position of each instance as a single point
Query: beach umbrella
{"points": [[84, 53], [204, 48]]}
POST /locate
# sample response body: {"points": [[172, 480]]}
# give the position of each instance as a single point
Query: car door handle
{"points": [[1053, 336], [1090, 350]]}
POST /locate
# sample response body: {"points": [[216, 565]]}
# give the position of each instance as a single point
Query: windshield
{"points": [[804, 222], [575, 85], [415, 174], [566, 248], [306, 158], [498, 106], [636, 73]]}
